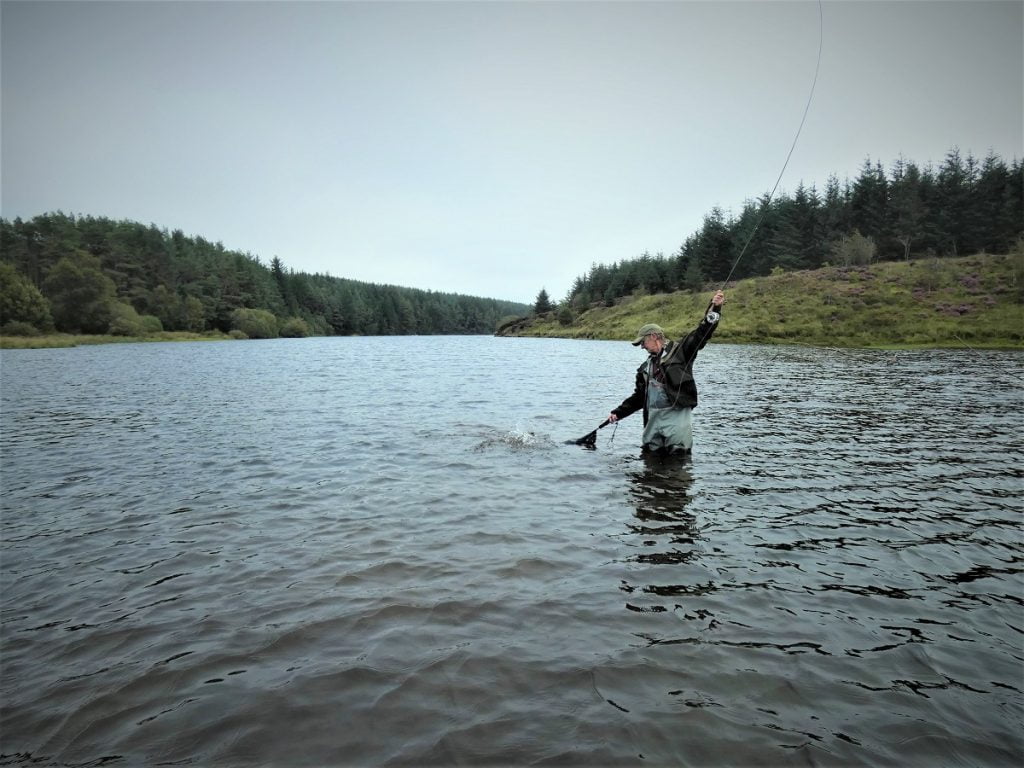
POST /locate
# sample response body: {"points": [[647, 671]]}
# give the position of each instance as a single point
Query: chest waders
{"points": [[668, 428]]}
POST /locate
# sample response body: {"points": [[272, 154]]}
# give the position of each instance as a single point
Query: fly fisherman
{"points": [[665, 388]]}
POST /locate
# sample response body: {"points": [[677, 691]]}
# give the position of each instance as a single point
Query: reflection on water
{"points": [[228, 554], [664, 530], [660, 488]]}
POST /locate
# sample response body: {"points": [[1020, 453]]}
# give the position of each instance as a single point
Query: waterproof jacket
{"points": [[676, 370]]}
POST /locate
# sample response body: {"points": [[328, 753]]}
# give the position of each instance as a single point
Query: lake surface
{"points": [[377, 551]]}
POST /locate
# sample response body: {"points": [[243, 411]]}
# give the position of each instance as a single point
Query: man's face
{"points": [[652, 343]]}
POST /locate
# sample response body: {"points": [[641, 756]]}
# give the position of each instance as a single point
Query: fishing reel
{"points": [[712, 317]]}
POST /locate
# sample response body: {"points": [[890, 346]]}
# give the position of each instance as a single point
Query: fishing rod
{"points": [[590, 439]]}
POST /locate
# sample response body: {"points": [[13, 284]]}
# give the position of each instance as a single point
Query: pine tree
{"points": [[693, 278], [543, 303], [907, 206], [869, 203], [715, 248]]}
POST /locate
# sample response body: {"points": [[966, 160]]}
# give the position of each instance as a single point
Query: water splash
{"points": [[517, 439]]}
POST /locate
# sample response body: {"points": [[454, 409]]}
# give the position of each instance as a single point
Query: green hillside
{"points": [[93, 276], [975, 301]]}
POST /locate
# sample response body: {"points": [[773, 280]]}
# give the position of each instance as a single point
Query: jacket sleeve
{"points": [[635, 401], [695, 340]]}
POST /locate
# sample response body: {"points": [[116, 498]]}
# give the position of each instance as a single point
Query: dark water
{"points": [[379, 551]]}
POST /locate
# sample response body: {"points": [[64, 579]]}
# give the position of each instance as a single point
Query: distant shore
{"points": [[973, 301], [968, 302], [61, 340]]}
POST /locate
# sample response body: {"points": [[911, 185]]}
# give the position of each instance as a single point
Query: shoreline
{"points": [[70, 341]]}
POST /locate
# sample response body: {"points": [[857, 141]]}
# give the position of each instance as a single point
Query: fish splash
{"points": [[517, 439]]}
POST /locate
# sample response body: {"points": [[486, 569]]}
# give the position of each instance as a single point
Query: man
{"points": [[665, 388]]}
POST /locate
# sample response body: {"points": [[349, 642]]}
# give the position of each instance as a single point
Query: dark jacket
{"points": [[676, 364]]}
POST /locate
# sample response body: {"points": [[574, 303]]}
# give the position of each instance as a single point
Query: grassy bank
{"points": [[56, 340], [971, 301]]}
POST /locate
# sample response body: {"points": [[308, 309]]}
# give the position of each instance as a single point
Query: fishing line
{"points": [[982, 357], [807, 107], [771, 195]]}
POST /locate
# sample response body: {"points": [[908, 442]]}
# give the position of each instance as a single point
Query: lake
{"points": [[380, 551]]}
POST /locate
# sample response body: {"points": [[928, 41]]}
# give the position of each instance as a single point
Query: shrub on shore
{"points": [[18, 328], [255, 323], [21, 301], [295, 328]]}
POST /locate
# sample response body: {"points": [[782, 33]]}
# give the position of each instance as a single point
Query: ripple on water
{"points": [[834, 577]]}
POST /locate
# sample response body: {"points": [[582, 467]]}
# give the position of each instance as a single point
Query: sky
{"points": [[484, 148]]}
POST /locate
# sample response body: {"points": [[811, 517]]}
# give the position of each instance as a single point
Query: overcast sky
{"points": [[487, 148]]}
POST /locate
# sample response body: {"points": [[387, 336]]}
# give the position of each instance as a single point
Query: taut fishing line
{"points": [[771, 195], [807, 107], [982, 357]]}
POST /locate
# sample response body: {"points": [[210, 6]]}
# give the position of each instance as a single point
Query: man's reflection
{"points": [[664, 532], [660, 491]]}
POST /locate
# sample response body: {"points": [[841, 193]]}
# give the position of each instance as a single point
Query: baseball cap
{"points": [[646, 330]]}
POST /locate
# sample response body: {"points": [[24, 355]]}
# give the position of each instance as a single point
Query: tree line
{"points": [[84, 274], [963, 207]]}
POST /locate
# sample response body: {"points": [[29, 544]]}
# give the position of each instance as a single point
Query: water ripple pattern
{"points": [[381, 551]]}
